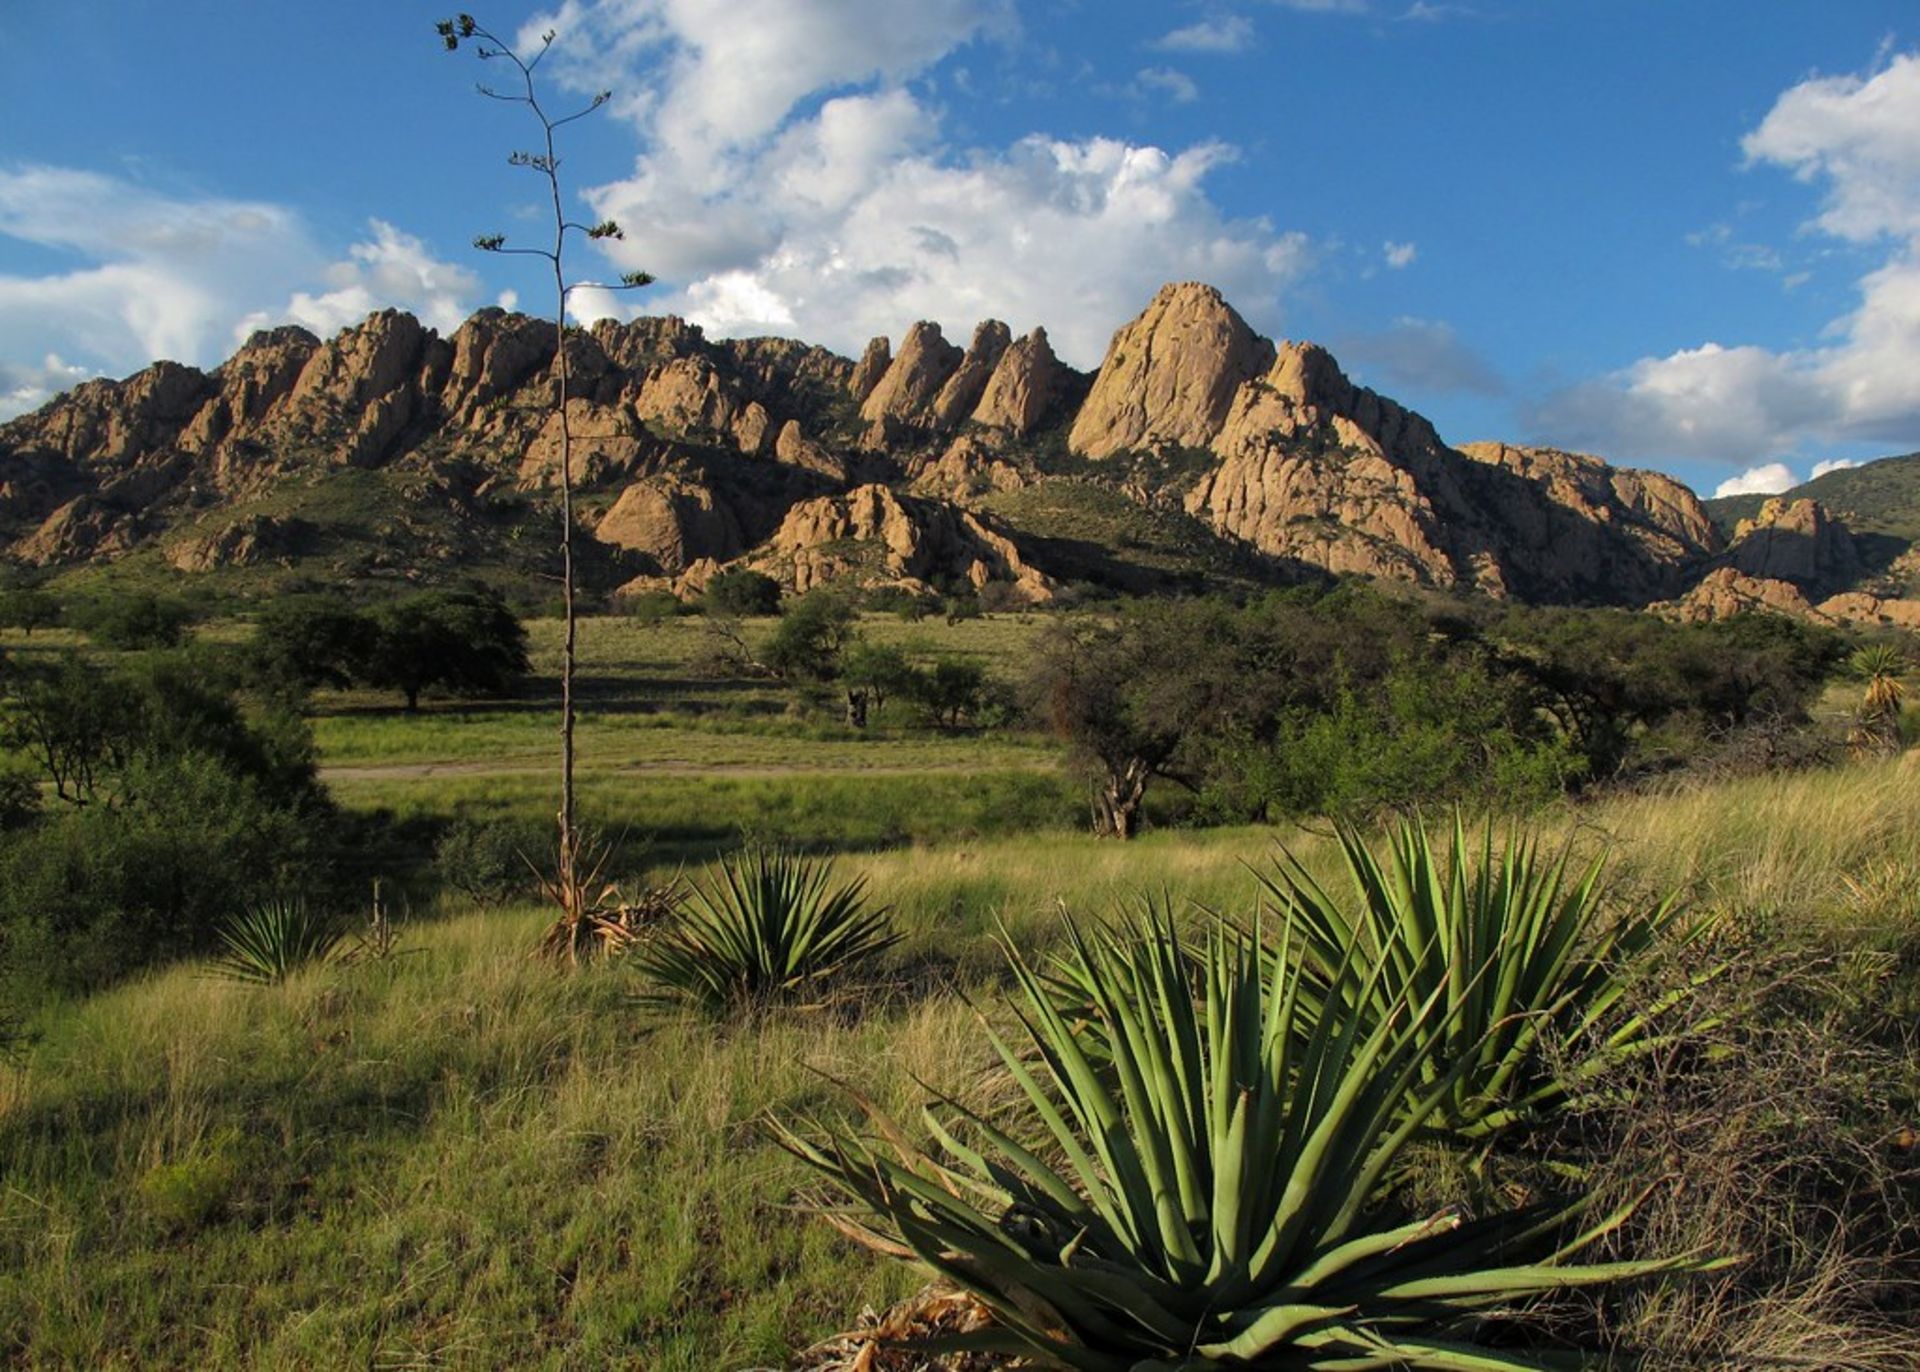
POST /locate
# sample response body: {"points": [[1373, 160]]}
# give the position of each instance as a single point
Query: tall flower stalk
{"points": [[544, 160]]}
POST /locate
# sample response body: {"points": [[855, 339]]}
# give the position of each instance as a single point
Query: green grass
{"points": [[463, 1157]]}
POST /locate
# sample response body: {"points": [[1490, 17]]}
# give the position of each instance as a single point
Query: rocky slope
{"points": [[390, 452]]}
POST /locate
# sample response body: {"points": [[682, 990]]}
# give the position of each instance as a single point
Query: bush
{"points": [[487, 860], [90, 894], [650, 609], [134, 622], [742, 593], [300, 642], [176, 805], [1521, 951]]}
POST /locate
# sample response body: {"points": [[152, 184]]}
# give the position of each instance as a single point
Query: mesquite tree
{"points": [[544, 161]]}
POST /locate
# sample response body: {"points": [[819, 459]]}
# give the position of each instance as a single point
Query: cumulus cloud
{"points": [[394, 269], [1837, 464], [1422, 356], [835, 208], [182, 278], [1770, 479], [1400, 255], [28, 386], [1856, 137], [1231, 33], [162, 274]]}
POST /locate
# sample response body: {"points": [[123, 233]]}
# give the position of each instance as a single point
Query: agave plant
{"points": [[1515, 944], [1203, 1197], [267, 943], [1876, 723], [762, 927]]}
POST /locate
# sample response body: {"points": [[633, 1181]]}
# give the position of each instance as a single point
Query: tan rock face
{"points": [[867, 372], [361, 364], [1584, 530], [673, 521], [964, 388], [752, 429], [1727, 591], [685, 397], [245, 542], [870, 533], [913, 380], [605, 442], [1795, 541], [494, 353], [1873, 611], [1024, 386], [795, 449], [1317, 470], [82, 528], [966, 470], [1170, 377]]}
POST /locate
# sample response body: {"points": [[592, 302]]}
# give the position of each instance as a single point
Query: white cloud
{"points": [[1858, 137], [1400, 255], [1837, 464], [1770, 479], [28, 386], [833, 207], [163, 274], [395, 269], [182, 278], [1178, 86], [1231, 33]]}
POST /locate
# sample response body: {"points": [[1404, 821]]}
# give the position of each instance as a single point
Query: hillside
{"points": [[1879, 502], [1199, 453]]}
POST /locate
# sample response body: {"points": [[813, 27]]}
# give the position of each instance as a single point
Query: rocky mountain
{"points": [[1198, 452]]}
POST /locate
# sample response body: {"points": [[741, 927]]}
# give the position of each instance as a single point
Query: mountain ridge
{"points": [[389, 452]]}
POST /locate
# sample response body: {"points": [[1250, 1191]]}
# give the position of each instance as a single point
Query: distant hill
{"points": [[1199, 454], [1880, 497], [1878, 501]]}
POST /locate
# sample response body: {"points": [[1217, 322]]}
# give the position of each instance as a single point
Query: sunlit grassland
{"points": [[463, 1157]]}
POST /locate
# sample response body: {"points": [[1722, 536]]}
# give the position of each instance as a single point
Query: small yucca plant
{"points": [[1203, 1195], [1517, 946], [1876, 723], [267, 943], [760, 928]]}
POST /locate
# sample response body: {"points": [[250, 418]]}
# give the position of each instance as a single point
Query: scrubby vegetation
{"points": [[437, 1147]]}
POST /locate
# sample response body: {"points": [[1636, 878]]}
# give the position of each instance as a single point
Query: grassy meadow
{"points": [[461, 1156]]}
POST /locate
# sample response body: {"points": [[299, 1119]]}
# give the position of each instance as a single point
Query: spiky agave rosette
{"points": [[1205, 1193]]}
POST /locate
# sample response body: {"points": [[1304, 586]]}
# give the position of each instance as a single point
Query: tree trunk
{"points": [[1116, 808], [857, 709], [413, 698]]}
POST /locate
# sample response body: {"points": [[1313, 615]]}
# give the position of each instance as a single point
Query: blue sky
{"points": [[1680, 235]]}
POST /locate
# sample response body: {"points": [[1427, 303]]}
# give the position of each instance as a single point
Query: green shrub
{"points": [[1207, 1196], [763, 928], [134, 621], [650, 609], [191, 1192], [89, 894], [741, 592], [487, 860]]}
